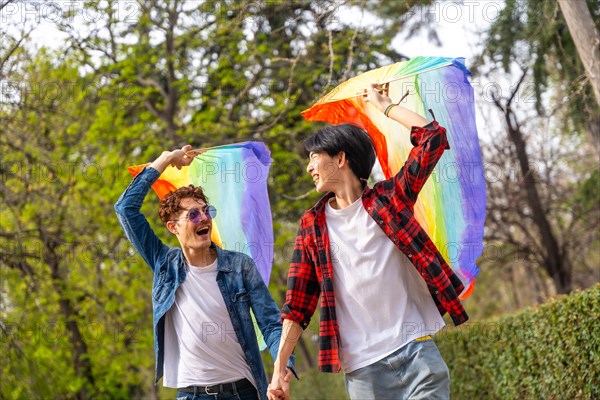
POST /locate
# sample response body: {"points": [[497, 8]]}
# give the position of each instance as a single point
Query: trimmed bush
{"points": [[551, 351]]}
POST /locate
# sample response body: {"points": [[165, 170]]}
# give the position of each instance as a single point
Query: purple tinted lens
{"points": [[210, 212], [194, 215]]}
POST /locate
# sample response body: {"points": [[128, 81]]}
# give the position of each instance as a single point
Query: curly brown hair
{"points": [[169, 206]]}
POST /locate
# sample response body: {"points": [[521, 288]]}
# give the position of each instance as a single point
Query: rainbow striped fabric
{"points": [[234, 178], [451, 207]]}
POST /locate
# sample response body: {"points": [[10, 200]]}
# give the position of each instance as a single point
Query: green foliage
{"points": [[546, 352], [534, 34], [72, 299], [588, 193]]}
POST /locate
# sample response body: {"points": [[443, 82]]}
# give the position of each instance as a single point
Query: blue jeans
{"points": [[248, 393], [415, 371]]}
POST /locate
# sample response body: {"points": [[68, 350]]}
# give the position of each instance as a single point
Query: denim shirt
{"points": [[237, 277]]}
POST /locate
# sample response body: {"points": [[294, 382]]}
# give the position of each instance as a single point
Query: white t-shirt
{"points": [[201, 347], [382, 303]]}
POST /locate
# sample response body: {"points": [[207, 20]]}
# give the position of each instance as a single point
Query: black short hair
{"points": [[352, 140]]}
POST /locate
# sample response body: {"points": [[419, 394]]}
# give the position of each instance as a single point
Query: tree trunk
{"points": [[585, 36], [555, 262], [80, 356], [584, 33], [593, 132]]}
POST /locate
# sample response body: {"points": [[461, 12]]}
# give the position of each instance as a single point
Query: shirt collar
{"points": [[319, 207]]}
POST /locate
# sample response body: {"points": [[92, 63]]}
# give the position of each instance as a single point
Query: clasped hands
{"points": [[279, 389]]}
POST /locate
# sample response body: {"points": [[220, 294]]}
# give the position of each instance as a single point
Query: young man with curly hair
{"points": [[202, 295], [383, 285]]}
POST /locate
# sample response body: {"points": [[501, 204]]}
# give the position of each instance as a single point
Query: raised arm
{"points": [[428, 138], [134, 223], [379, 98]]}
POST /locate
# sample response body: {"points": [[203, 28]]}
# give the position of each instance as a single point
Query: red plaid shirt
{"points": [[390, 203]]}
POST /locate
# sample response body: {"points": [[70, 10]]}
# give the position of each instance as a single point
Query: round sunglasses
{"points": [[194, 215]]}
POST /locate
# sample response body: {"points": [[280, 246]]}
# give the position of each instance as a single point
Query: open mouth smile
{"points": [[202, 231]]}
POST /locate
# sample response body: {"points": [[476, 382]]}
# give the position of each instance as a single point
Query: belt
{"points": [[230, 387]]}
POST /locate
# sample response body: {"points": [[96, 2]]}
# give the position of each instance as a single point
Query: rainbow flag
{"points": [[451, 206], [234, 178]]}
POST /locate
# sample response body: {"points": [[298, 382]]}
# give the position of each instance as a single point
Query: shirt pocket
{"points": [[162, 287], [160, 292], [241, 296], [241, 303]]}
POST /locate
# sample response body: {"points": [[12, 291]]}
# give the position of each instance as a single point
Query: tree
{"points": [[553, 251], [585, 35], [535, 34], [60, 314], [541, 235], [530, 40]]}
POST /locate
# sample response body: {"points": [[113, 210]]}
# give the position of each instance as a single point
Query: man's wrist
{"points": [[280, 369], [387, 109], [163, 161], [167, 155]]}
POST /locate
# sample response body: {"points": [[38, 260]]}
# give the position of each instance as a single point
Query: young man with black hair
{"points": [[202, 295], [383, 284]]}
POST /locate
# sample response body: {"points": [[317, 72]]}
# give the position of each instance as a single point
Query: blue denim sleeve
{"points": [[268, 315], [134, 223]]}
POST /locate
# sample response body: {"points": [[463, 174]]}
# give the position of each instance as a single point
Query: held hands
{"points": [[279, 389]]}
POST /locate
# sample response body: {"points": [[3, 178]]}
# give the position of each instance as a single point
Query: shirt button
{"points": [[410, 256]]}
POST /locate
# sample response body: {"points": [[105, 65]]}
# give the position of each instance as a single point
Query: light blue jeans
{"points": [[415, 371]]}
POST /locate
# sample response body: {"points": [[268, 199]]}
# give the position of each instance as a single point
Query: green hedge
{"points": [[551, 351]]}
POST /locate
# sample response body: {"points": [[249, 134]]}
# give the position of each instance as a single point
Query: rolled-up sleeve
{"points": [[134, 223]]}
